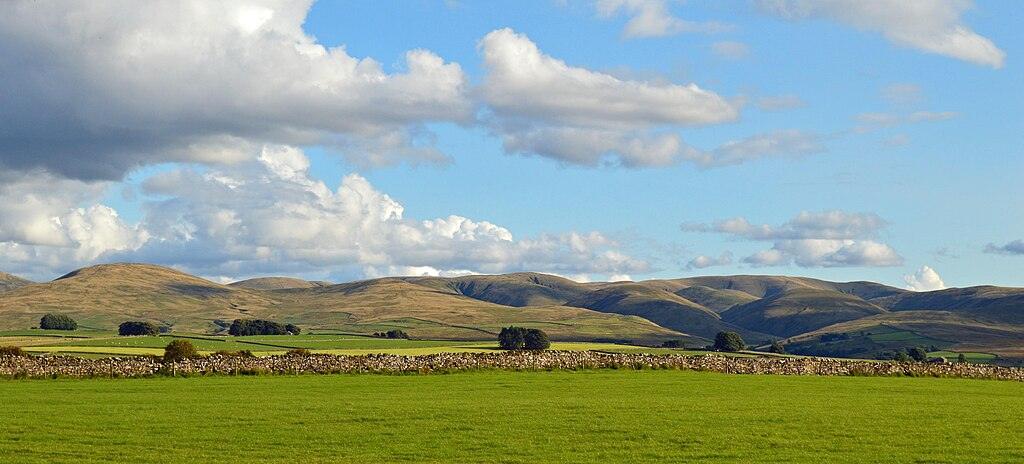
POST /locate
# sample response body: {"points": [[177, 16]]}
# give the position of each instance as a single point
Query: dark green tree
{"points": [[536, 339], [137, 328], [292, 329], [729, 341], [178, 350], [961, 358], [777, 348], [54, 321], [512, 338], [245, 327], [918, 354]]}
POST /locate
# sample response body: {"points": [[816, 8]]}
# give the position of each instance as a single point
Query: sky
{"points": [[599, 140]]}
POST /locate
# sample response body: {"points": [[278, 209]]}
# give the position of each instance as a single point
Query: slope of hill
{"points": [[717, 300], [997, 304], [276, 283], [104, 296], [797, 310], [11, 282], [519, 289], [659, 306]]}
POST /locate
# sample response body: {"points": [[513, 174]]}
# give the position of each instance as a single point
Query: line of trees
{"points": [[246, 327], [521, 338], [392, 334]]}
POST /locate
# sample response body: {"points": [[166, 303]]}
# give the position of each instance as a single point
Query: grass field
{"points": [[595, 416]]}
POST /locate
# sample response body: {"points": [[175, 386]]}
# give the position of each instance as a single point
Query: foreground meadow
{"points": [[491, 416]]}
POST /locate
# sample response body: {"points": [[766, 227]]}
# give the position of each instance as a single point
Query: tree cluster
{"points": [[729, 341], [178, 350], [54, 321], [246, 327], [137, 328], [391, 334], [521, 338]]}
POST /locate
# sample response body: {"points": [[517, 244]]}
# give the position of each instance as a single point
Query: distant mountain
{"points": [[11, 282], [810, 316], [276, 283]]}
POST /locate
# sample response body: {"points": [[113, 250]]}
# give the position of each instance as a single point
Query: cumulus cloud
{"points": [[704, 261], [652, 18], [932, 26], [541, 105], [104, 86], [812, 239], [924, 280], [1015, 247], [269, 216]]}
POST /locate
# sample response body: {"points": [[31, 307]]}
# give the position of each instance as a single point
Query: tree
{"points": [[396, 334], [729, 341], [961, 358], [512, 338], [178, 350], [672, 344], [536, 339], [13, 351], [901, 356], [57, 322], [137, 328], [244, 327], [777, 348], [292, 329], [918, 354]]}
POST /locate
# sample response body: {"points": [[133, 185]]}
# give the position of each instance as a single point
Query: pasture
{"points": [[495, 416]]}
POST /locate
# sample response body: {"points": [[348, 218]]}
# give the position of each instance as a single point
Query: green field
{"points": [[590, 416]]}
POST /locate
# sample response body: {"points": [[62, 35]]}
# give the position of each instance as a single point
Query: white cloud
{"points": [[651, 18], [791, 143], [730, 50], [933, 26], [105, 86], [823, 239], [541, 105], [924, 280], [704, 261]]}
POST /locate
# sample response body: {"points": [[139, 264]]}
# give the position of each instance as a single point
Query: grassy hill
{"points": [[797, 310], [276, 283], [11, 282], [104, 296]]}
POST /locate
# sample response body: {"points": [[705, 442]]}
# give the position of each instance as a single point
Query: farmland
{"points": [[491, 416]]}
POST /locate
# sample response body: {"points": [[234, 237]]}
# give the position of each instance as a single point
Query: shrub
{"points": [[300, 352], [729, 341], [512, 338], [235, 354], [57, 322], [961, 358], [292, 329], [246, 327], [672, 344], [777, 348], [396, 334], [12, 351], [178, 350], [137, 328], [536, 339], [901, 356], [918, 354]]}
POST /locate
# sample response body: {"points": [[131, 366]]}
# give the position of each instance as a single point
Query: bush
{"points": [[235, 354], [12, 351], [300, 352], [57, 322], [918, 354], [137, 328], [246, 327], [672, 344], [729, 341], [520, 338], [536, 339], [292, 329], [961, 358], [777, 348], [178, 350]]}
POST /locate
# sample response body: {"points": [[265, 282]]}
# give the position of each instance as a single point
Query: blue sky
{"points": [[915, 153]]}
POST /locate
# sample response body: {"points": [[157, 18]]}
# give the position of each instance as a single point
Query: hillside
{"points": [[794, 311], [276, 283], [11, 282], [104, 296]]}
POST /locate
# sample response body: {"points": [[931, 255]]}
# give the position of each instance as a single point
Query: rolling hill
{"points": [[11, 282], [808, 315]]}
